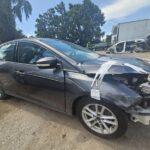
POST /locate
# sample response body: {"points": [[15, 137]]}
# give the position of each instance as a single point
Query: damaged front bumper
{"points": [[140, 114]]}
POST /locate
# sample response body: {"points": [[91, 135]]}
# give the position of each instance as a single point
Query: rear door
{"points": [[44, 86], [7, 65]]}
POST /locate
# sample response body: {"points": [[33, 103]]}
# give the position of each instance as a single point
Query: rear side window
{"points": [[30, 53], [7, 52]]}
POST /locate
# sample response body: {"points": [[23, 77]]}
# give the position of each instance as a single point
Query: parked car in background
{"points": [[128, 47], [68, 78], [100, 46]]}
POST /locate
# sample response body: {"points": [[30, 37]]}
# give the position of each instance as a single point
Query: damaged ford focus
{"points": [[104, 91]]}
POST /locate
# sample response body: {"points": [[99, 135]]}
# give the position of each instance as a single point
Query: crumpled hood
{"points": [[91, 66]]}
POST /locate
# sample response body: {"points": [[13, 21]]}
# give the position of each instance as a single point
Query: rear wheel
{"points": [[3, 96], [102, 119]]}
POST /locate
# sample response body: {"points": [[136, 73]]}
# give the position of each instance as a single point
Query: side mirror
{"points": [[47, 63]]}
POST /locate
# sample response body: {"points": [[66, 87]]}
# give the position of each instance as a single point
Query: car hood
{"points": [[91, 66]]}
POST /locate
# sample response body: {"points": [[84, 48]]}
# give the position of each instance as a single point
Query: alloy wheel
{"points": [[99, 119]]}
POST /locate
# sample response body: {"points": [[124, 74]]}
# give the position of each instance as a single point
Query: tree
{"points": [[19, 34], [81, 23], [53, 25], [9, 9], [7, 22], [21, 6]]}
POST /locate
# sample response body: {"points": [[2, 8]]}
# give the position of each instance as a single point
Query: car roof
{"points": [[29, 39]]}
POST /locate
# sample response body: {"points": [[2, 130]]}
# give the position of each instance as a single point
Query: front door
{"points": [[44, 86]]}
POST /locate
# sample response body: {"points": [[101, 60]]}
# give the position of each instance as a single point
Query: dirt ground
{"points": [[141, 55], [26, 126]]}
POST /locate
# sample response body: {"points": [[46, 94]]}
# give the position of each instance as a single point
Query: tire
{"points": [[3, 96], [119, 118]]}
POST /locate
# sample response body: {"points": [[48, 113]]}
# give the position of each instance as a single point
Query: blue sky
{"points": [[116, 11]]}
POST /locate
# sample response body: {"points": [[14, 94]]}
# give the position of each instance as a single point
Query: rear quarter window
{"points": [[7, 52]]}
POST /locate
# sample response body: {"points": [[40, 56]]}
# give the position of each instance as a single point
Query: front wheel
{"points": [[102, 119]]}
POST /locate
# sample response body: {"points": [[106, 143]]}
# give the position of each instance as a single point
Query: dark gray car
{"points": [[64, 77]]}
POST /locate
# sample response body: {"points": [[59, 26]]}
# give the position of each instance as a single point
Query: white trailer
{"points": [[128, 31]]}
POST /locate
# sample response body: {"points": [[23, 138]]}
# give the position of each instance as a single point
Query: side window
{"points": [[7, 52], [30, 53], [120, 47], [130, 45]]}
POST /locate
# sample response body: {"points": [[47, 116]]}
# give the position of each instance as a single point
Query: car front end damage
{"points": [[141, 112], [126, 86]]}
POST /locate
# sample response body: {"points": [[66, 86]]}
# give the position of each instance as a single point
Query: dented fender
{"points": [[119, 94]]}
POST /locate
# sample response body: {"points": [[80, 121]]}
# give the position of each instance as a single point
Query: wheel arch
{"points": [[78, 99]]}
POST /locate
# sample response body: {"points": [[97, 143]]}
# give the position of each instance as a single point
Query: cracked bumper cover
{"points": [[141, 115]]}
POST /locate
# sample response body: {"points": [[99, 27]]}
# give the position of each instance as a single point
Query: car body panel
{"points": [[7, 76], [93, 65], [44, 85], [60, 88]]}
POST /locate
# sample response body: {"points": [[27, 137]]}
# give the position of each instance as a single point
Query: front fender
{"points": [[119, 94]]}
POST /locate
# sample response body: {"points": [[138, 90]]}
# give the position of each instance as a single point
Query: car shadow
{"points": [[137, 136]]}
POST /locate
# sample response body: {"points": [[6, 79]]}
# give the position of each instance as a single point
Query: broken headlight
{"points": [[145, 88]]}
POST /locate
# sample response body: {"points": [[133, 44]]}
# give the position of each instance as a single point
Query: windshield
{"points": [[71, 50]]}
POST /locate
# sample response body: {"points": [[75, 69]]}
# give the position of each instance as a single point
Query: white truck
{"points": [[128, 47]]}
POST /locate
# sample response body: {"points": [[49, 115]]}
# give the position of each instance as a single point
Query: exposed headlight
{"points": [[145, 88]]}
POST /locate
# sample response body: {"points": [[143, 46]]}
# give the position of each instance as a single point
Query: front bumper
{"points": [[140, 118], [141, 115]]}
